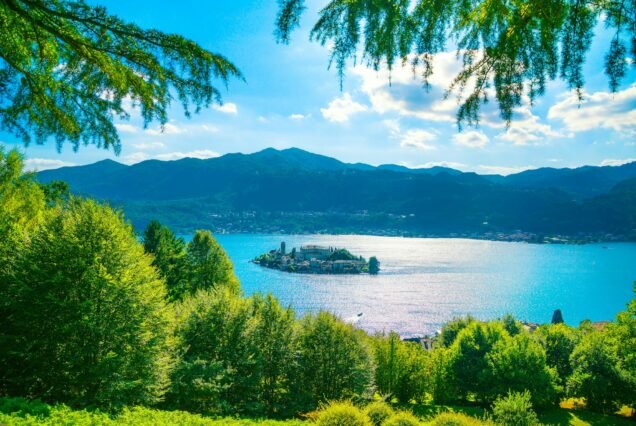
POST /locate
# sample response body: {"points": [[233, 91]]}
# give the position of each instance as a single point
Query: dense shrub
{"points": [[32, 414], [342, 414], [515, 410], [456, 419], [22, 407], [378, 412], [403, 418], [88, 321]]}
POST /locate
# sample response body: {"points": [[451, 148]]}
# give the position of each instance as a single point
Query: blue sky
{"points": [[291, 99]]}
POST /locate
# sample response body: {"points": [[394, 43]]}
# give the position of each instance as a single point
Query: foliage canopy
{"points": [[512, 46], [68, 69]]}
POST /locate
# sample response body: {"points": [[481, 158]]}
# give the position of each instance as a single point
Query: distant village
{"points": [[313, 259]]}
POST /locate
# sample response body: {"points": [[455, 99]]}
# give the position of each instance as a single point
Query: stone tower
{"points": [[282, 248]]}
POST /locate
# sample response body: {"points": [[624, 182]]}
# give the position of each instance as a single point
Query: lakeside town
{"points": [[314, 259], [388, 225]]}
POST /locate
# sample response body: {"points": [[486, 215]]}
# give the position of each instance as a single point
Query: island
{"points": [[313, 259]]}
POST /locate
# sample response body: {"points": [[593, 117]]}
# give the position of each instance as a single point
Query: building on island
{"points": [[313, 252], [313, 259]]}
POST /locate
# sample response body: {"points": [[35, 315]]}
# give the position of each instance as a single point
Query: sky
{"points": [[291, 99]]}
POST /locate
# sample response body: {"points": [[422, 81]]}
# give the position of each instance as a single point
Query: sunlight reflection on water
{"points": [[425, 282]]}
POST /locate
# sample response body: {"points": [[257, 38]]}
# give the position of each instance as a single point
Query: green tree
{"points": [[597, 375], [557, 317], [169, 257], [56, 192], [334, 361], [451, 329], [216, 370], [67, 66], [442, 382], [22, 205], [401, 368], [512, 325], [519, 364], [470, 366], [273, 335], [559, 340], [623, 335], [208, 264], [89, 323], [508, 50], [374, 265]]}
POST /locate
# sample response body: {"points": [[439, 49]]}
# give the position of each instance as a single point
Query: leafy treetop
{"points": [[514, 45], [67, 68]]}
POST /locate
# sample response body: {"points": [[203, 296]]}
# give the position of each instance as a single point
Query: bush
{"points": [[515, 410], [403, 418], [342, 414], [455, 419], [378, 412], [22, 407]]}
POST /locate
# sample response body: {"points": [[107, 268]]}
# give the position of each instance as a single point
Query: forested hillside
{"points": [[317, 193]]}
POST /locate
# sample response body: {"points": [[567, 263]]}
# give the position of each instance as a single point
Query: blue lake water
{"points": [[425, 282]]}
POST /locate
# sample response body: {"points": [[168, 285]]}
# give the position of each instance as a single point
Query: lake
{"points": [[425, 282]]}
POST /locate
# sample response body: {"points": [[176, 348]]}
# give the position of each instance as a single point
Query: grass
{"points": [[570, 413], [20, 412]]}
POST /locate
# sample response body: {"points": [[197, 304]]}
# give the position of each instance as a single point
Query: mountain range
{"points": [[293, 190]]}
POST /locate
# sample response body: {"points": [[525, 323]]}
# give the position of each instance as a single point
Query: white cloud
{"points": [[341, 109], [137, 157], [168, 129], [393, 126], [148, 145], [209, 128], [471, 139], [449, 164], [39, 164], [262, 119], [504, 170], [227, 108], [419, 139], [401, 90], [525, 128], [126, 128], [201, 154], [617, 162], [299, 116], [615, 111]]}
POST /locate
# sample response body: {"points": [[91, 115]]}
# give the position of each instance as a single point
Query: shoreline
{"points": [[529, 238]]}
